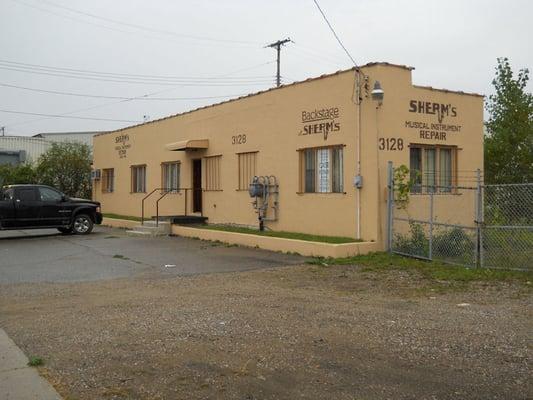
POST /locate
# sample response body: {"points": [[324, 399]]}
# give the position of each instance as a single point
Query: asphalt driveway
{"points": [[47, 256]]}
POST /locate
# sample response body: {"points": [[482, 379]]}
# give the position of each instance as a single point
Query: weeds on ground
{"points": [[431, 270], [35, 361]]}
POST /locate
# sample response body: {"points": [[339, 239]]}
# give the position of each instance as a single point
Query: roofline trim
{"points": [[448, 91]]}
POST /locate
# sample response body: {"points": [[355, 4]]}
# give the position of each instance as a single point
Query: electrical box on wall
{"points": [[358, 181]]}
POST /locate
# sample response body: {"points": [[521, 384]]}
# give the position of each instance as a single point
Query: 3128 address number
{"points": [[390, 144]]}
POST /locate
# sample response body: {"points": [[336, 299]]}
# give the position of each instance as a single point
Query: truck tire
{"points": [[65, 231], [82, 224]]}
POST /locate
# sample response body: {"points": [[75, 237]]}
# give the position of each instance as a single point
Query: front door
{"points": [[197, 185]]}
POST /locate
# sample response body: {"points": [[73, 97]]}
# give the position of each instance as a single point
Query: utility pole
{"points": [[277, 45]]}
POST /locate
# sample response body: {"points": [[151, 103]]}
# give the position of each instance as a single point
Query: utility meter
{"points": [[256, 188]]}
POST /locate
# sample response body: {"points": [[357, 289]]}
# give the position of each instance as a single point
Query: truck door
{"points": [[53, 211], [7, 209], [27, 207]]}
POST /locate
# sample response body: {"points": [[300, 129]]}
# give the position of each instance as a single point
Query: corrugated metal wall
{"points": [[33, 147]]}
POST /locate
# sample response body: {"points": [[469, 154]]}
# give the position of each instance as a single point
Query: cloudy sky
{"points": [[122, 60]]}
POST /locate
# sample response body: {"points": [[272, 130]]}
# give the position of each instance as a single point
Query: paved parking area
{"points": [[47, 256]]}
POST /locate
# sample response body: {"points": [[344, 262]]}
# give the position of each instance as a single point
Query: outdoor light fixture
{"points": [[378, 93]]}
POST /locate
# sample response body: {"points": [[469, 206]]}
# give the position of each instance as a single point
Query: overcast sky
{"points": [[216, 48]]}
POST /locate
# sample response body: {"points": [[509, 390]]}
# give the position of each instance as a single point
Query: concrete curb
{"points": [[17, 380]]}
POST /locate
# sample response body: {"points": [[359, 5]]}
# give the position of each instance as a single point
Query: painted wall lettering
{"points": [[438, 109], [432, 131], [122, 145], [238, 139], [320, 122], [390, 144]]}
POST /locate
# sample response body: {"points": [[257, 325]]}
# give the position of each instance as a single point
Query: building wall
{"points": [[272, 123], [70, 137], [33, 147]]}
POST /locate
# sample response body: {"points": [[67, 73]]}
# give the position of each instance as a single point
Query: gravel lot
{"points": [[306, 331]]}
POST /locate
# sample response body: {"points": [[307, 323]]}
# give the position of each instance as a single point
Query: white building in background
{"points": [[19, 149], [68, 137]]}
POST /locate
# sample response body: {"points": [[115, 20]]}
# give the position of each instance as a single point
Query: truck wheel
{"points": [[83, 224], [65, 231]]}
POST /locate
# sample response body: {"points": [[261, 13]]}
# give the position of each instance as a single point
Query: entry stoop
{"points": [[151, 229]]}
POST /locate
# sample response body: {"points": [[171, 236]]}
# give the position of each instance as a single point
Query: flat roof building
{"points": [[321, 146]]}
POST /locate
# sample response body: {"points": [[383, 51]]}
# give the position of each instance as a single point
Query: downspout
{"points": [[357, 100]]}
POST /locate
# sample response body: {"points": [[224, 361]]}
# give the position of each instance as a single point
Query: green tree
{"points": [[67, 167], [13, 174], [509, 136]]}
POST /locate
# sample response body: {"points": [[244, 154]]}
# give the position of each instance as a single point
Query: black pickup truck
{"points": [[40, 207]]}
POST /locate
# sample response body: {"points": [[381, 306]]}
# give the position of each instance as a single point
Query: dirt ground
{"points": [[309, 332]]}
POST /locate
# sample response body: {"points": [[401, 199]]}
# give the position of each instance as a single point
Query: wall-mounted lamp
{"points": [[378, 93]]}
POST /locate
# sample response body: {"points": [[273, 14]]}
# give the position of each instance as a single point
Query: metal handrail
{"points": [[142, 203], [165, 192]]}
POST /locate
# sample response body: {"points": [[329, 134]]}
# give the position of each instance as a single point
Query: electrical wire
{"points": [[146, 28], [117, 97], [335, 33], [48, 68], [131, 81], [92, 73], [65, 116], [146, 95], [235, 43]]}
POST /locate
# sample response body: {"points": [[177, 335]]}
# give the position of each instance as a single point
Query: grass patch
{"points": [[120, 256], [118, 216], [281, 234], [432, 270], [35, 361]]}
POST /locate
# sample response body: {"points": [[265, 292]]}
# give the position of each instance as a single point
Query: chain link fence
{"points": [[473, 225], [506, 239]]}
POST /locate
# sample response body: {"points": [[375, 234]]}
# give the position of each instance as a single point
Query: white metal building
{"points": [[23, 148], [66, 137]]}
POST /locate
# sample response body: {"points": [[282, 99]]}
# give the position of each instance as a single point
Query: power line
{"points": [[334, 33], [118, 75], [146, 95], [241, 43], [132, 80], [146, 28], [65, 116], [116, 97]]}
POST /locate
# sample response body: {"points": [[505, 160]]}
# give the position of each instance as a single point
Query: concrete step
{"points": [[138, 233], [150, 229], [153, 223], [146, 228]]}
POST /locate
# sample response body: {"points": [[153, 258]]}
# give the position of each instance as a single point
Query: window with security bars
{"points": [[170, 176], [247, 169], [212, 173], [322, 170], [432, 168], [138, 179], [108, 180]]}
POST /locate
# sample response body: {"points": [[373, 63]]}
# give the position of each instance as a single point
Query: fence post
{"points": [[479, 221], [431, 225], [390, 204]]}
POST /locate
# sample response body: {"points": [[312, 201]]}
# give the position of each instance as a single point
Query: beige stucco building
{"points": [[326, 141]]}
